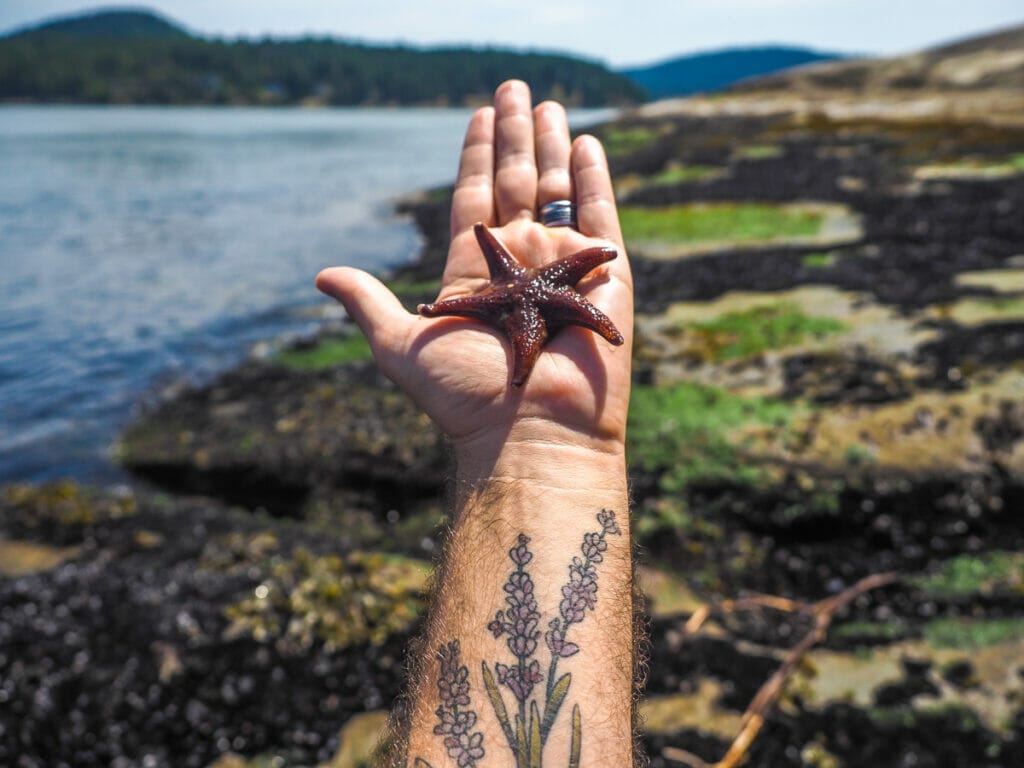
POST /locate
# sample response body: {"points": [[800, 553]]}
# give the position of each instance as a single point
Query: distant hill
{"points": [[992, 61], [715, 70], [138, 57], [977, 80], [111, 24]]}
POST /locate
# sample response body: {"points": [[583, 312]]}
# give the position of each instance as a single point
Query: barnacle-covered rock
{"points": [[269, 435], [60, 511], [338, 600]]}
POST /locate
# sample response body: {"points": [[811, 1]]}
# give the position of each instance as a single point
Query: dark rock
{"points": [[1002, 432], [122, 653], [960, 674], [838, 377], [962, 350], [267, 436]]}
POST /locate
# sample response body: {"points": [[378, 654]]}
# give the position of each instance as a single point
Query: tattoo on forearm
{"points": [[456, 718], [533, 716]]}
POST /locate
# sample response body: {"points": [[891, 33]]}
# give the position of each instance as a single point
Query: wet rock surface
{"points": [[122, 655], [844, 378], [913, 248], [270, 436]]}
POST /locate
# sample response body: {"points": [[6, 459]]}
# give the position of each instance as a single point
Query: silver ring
{"points": [[560, 213]]}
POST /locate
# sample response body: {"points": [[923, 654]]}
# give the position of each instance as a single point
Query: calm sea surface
{"points": [[140, 246]]}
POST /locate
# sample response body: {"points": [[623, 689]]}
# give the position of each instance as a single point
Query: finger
{"points": [[473, 199], [596, 213], [515, 175], [595, 199], [373, 307], [551, 127]]}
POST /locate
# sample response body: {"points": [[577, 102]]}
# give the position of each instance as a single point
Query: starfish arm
{"points": [[484, 306], [501, 264], [567, 307], [526, 329], [573, 268]]}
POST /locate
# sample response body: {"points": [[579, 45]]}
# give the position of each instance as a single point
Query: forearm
{"points": [[535, 589]]}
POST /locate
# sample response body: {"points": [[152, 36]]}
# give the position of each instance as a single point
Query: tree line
{"points": [[46, 67]]}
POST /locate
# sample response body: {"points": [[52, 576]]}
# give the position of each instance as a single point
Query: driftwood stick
{"points": [[702, 614], [823, 612]]}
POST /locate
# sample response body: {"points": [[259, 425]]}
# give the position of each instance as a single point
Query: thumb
{"points": [[371, 304]]}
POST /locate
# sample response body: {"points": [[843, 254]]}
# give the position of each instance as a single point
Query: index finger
{"points": [[473, 198]]}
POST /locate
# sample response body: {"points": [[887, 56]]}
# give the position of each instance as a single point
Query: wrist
{"points": [[594, 471]]}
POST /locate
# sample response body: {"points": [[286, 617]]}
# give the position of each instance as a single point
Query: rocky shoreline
{"points": [[829, 389]]}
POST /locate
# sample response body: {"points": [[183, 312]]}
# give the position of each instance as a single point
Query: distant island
{"points": [[714, 70], [139, 57]]}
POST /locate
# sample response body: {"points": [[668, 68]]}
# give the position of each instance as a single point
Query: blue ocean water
{"points": [[143, 245]]}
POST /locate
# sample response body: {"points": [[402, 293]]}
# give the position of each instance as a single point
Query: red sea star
{"points": [[527, 304]]}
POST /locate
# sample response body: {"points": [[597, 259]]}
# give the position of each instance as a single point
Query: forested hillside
{"points": [[137, 57]]}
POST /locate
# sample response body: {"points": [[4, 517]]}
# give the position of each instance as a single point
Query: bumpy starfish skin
{"points": [[529, 305]]}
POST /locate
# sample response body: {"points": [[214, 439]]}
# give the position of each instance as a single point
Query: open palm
{"points": [[514, 160]]}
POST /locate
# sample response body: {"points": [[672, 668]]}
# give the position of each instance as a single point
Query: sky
{"points": [[616, 32]]}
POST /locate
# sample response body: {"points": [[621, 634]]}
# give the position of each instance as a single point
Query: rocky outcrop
{"points": [[988, 62], [146, 647], [271, 436]]}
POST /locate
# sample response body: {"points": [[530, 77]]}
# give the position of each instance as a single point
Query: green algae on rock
{"points": [[326, 352], [966, 634], [973, 168], [728, 222], [986, 574], [619, 141], [737, 335], [684, 230], [819, 260], [692, 432]]}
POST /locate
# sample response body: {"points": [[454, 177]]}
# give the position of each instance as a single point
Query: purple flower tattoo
{"points": [[518, 622], [527, 725], [456, 720], [520, 680], [607, 520], [555, 639], [579, 594]]}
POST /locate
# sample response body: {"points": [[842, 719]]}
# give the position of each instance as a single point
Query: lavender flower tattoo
{"points": [[455, 716], [518, 622], [579, 595]]}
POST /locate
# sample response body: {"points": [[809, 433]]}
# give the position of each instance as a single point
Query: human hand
{"points": [[514, 161]]}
